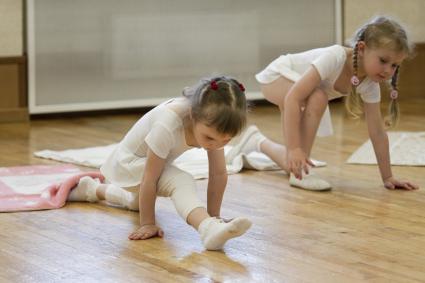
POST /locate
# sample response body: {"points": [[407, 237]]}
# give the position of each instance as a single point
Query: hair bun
{"points": [[214, 85]]}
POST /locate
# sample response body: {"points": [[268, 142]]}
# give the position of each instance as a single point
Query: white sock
{"points": [[309, 182], [215, 232], [85, 190], [118, 196]]}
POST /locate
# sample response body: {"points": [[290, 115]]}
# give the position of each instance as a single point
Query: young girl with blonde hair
{"points": [[301, 85]]}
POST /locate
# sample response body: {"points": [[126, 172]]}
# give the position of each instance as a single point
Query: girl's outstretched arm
{"points": [[380, 143], [147, 198], [217, 181]]}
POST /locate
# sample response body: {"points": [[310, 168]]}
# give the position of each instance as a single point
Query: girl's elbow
{"points": [[223, 179], [378, 134], [219, 178], [147, 185]]}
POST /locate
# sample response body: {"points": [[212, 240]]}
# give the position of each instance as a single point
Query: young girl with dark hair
{"points": [[208, 115]]}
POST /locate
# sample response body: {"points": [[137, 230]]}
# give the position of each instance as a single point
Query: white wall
{"points": [[409, 12], [128, 53], [11, 34]]}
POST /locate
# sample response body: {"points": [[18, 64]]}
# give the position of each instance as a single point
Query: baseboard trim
{"points": [[16, 109], [13, 60], [14, 115]]}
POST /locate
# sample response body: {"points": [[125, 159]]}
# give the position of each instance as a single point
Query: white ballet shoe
{"points": [[215, 232], [309, 182]]}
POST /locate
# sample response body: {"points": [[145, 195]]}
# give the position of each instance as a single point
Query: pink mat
{"points": [[38, 187]]}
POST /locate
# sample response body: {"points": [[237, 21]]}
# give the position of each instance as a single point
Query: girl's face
{"points": [[380, 64], [208, 137]]}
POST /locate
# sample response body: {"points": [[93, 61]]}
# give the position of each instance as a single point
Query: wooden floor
{"points": [[357, 232]]}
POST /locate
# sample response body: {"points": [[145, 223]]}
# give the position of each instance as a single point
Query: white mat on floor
{"points": [[406, 148], [194, 161]]}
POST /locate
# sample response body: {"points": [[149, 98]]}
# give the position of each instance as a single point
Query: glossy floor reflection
{"points": [[357, 232]]}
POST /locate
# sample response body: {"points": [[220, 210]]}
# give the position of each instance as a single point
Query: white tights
{"points": [[174, 183]]}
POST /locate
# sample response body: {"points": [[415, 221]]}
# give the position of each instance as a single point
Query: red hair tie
{"points": [[214, 85], [241, 87]]}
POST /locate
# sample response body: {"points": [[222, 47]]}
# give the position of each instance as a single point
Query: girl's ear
{"points": [[361, 46], [192, 121], [190, 114]]}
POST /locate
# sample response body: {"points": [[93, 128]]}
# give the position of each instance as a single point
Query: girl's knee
{"points": [[183, 194], [318, 99], [319, 95]]}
